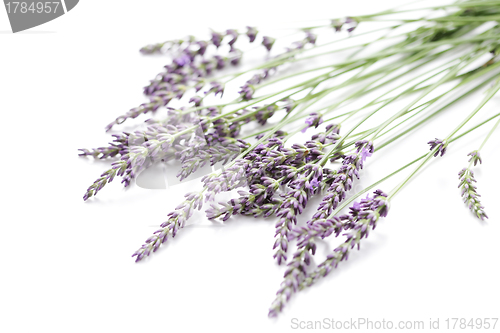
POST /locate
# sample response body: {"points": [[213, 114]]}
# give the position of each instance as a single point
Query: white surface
{"points": [[66, 264]]}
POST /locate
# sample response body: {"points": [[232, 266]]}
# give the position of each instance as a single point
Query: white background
{"points": [[66, 264]]}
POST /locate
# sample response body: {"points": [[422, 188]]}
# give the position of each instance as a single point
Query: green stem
{"points": [[489, 134]]}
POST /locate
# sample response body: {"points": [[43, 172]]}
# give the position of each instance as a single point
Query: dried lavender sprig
{"points": [[466, 176], [136, 156], [304, 185], [176, 221], [102, 152], [154, 143], [343, 180], [469, 194]]}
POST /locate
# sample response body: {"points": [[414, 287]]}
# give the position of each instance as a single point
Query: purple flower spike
{"points": [[169, 228], [268, 42], [469, 194]]}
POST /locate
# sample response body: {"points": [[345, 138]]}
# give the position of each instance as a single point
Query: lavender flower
{"points": [[216, 88], [243, 205], [182, 60], [469, 194], [475, 157], [129, 164], [352, 23], [362, 216], [440, 144], [252, 33], [315, 120], [119, 146], [196, 100], [234, 36], [216, 38], [268, 42], [269, 163], [229, 179], [310, 37], [236, 56], [349, 21], [246, 92], [343, 180], [304, 185], [170, 227], [141, 150]]}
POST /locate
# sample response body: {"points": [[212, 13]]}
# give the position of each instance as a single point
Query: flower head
{"points": [[440, 144], [475, 157]]}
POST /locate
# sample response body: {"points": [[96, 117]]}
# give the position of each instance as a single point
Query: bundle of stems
{"points": [[393, 77]]}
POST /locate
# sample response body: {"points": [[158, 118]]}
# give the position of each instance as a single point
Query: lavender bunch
{"points": [[276, 180], [274, 165]]}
